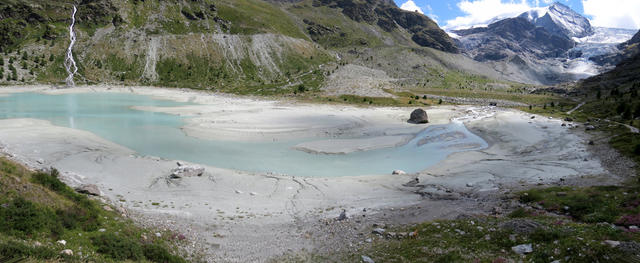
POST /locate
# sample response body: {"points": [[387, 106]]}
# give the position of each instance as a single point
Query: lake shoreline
{"points": [[235, 216]]}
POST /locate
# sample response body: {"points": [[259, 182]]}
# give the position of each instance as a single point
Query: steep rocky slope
{"points": [[553, 44], [239, 46]]}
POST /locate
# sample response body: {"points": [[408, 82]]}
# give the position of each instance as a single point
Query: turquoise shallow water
{"points": [[110, 116]]}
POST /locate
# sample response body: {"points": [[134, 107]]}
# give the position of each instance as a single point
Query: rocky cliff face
{"points": [[561, 20], [553, 44], [513, 36], [385, 14]]}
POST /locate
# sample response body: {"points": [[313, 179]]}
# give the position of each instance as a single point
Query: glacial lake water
{"points": [[109, 115]]}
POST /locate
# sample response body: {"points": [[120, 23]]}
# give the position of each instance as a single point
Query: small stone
{"points": [[533, 117], [238, 192], [398, 172], [62, 242], [107, 208], [102, 230], [591, 143], [522, 249], [343, 215], [469, 184], [366, 259], [37, 244], [633, 227], [67, 252], [253, 193], [612, 243], [590, 127], [368, 240], [379, 231], [158, 234]]}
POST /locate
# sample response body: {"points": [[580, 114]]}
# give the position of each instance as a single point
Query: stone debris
{"points": [[522, 249], [366, 259]]}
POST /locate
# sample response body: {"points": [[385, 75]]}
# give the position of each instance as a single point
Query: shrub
{"points": [[158, 253], [24, 218], [50, 181], [17, 249], [118, 247]]}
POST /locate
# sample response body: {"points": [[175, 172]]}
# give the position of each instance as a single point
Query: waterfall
{"points": [[69, 62]]}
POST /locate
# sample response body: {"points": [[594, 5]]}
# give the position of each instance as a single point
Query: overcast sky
{"points": [[451, 14]]}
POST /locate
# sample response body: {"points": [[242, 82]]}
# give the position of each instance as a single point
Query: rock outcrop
{"points": [[186, 171], [419, 116], [90, 189]]}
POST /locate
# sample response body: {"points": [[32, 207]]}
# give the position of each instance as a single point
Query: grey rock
{"points": [[67, 252], [521, 226], [522, 249], [612, 243], [419, 116], [90, 189], [398, 172], [630, 247], [343, 215], [379, 231], [590, 127], [186, 171], [366, 259]]}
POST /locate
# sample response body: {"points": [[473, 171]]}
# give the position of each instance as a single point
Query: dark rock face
{"points": [[384, 13], [512, 36], [419, 116], [90, 189]]}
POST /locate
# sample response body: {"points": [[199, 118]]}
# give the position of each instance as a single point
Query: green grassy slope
{"points": [[244, 46], [37, 210]]}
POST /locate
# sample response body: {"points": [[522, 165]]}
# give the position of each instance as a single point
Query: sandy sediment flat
{"points": [[237, 215]]}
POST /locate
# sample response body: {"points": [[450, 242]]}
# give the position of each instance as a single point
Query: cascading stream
{"points": [[69, 62]]}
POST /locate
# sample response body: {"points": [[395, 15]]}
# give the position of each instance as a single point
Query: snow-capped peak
{"points": [[560, 19]]}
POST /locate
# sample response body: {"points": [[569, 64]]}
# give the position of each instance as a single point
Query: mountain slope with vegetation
{"points": [[243, 46], [42, 219]]}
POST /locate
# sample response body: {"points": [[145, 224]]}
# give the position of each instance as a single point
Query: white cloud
{"points": [[481, 12], [411, 6], [617, 14]]}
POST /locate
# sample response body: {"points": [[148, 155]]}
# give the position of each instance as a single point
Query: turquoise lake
{"points": [[109, 115]]}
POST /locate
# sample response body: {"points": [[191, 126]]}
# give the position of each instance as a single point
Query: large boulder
{"points": [[419, 116], [90, 189], [186, 171]]}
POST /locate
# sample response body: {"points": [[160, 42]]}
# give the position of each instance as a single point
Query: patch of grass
{"points": [[23, 218], [16, 249], [589, 204], [484, 240], [39, 207], [118, 247]]}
